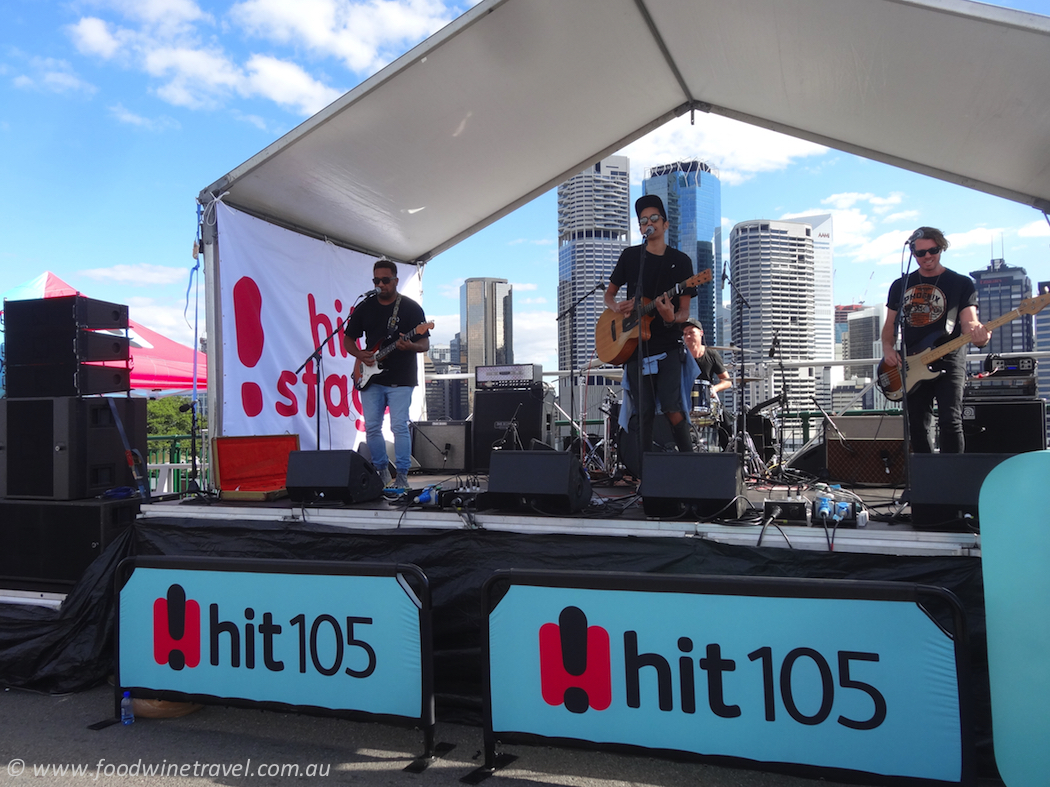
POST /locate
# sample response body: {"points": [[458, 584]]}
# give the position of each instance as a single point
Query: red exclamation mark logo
{"points": [[247, 313]]}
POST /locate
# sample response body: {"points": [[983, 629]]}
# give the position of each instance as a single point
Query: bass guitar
{"points": [[363, 373], [618, 334], [917, 366]]}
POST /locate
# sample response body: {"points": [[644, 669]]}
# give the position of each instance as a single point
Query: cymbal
{"points": [[732, 349], [748, 379]]}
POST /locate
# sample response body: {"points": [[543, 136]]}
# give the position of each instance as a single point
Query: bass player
{"points": [[938, 304], [658, 268], [380, 319]]}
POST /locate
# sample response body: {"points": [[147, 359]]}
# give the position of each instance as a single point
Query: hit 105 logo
{"points": [[576, 670], [322, 643]]}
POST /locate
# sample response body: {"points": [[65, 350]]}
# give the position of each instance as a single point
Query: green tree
{"points": [[163, 416]]}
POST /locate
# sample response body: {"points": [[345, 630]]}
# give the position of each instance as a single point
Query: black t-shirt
{"points": [[711, 365], [662, 272], [931, 307], [373, 320]]}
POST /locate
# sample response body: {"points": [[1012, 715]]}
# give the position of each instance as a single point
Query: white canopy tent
{"points": [[516, 96]]}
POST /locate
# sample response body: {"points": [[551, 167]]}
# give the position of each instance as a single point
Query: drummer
{"points": [[712, 369]]}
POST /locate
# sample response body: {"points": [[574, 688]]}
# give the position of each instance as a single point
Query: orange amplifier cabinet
{"points": [[252, 467], [869, 450]]}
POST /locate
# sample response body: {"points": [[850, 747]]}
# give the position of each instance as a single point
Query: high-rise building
{"points": [[772, 269], [823, 301], [692, 196], [863, 339], [593, 228], [1000, 289], [486, 320]]}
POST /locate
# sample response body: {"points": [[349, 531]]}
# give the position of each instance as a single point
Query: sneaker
{"points": [[384, 476], [401, 482]]}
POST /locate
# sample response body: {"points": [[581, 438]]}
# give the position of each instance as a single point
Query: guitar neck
{"points": [[385, 351], [940, 351]]}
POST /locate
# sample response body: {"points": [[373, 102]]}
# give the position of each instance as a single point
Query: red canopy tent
{"points": [[158, 363]]}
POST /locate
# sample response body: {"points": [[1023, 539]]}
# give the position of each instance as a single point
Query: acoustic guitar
{"points": [[917, 365], [618, 334], [363, 373]]}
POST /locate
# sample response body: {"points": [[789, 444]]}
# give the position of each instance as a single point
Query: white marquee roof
{"points": [[516, 96]]}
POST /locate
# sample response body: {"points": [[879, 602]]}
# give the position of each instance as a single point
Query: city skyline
{"points": [[108, 139]]}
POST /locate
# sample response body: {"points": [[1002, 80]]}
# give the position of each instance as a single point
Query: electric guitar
{"points": [[363, 373], [616, 334], [917, 366]]}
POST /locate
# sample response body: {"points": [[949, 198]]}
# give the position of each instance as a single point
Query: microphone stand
{"points": [[570, 312], [741, 412], [318, 357], [905, 497], [193, 486], [778, 350]]}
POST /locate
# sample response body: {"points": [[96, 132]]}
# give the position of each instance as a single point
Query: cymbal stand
{"points": [[742, 443]]}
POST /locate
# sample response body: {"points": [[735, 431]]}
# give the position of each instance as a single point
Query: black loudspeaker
{"points": [[761, 430], [945, 489], [548, 481], [65, 379], [711, 485], [866, 449], [332, 477], [442, 446], [67, 448], [493, 413], [46, 348], [1002, 427], [47, 545]]}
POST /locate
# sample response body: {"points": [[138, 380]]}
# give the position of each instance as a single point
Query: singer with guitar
{"points": [[385, 317], [937, 305], [659, 269]]}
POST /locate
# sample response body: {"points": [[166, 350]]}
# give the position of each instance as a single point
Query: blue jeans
{"points": [[375, 399]]}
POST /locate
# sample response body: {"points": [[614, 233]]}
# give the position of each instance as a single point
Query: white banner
{"points": [[282, 293]]}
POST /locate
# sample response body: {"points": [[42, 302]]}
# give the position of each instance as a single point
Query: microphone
{"points": [[648, 231], [185, 408], [775, 344], [725, 275], [370, 293], [917, 235]]}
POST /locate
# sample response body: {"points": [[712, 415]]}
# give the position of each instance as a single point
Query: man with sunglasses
{"points": [[383, 319], [650, 270], [938, 305]]}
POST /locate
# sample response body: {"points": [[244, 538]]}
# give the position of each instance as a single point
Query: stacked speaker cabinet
{"points": [[1004, 426], [53, 346], [67, 448], [499, 413]]}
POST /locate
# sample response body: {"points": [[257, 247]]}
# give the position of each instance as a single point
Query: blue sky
{"points": [[114, 114]]}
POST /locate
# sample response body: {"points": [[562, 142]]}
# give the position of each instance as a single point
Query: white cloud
{"points": [[164, 317], [533, 301], [124, 115], [539, 242], [364, 35], [142, 275], [53, 76], [446, 326], [738, 150], [904, 215], [518, 287], [536, 338], [1037, 229], [92, 36], [286, 84]]}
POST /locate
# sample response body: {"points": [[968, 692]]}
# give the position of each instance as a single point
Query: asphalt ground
{"points": [[45, 738]]}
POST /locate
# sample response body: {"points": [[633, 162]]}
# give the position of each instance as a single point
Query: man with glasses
{"points": [[655, 370], [937, 305], [384, 319]]}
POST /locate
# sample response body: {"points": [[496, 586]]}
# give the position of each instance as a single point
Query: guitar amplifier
{"points": [[869, 450]]}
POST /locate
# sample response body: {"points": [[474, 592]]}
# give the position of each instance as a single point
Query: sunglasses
{"points": [[384, 280], [643, 220], [920, 253]]}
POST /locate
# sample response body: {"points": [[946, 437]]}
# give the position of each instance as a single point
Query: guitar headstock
{"points": [[1034, 305], [423, 327], [703, 277]]}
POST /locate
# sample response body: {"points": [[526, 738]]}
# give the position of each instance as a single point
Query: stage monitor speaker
{"points": [[332, 477], [945, 489], [866, 449], [67, 448], [65, 379], [442, 446], [761, 430], [1004, 427], [493, 413], [707, 484], [551, 482]]}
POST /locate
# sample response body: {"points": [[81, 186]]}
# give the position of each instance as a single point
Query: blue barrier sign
{"points": [[818, 674], [336, 637]]}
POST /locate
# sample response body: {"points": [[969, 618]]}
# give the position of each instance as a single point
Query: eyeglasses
{"points": [[384, 280], [920, 253], [643, 220]]}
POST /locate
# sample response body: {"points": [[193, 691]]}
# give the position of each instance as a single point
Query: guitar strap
{"points": [[391, 324]]}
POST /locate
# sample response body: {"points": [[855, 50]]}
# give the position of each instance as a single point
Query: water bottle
{"points": [[127, 713]]}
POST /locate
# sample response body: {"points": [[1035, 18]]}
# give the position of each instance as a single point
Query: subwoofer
{"points": [[707, 484], [494, 414], [332, 477], [945, 489], [67, 448], [546, 481]]}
